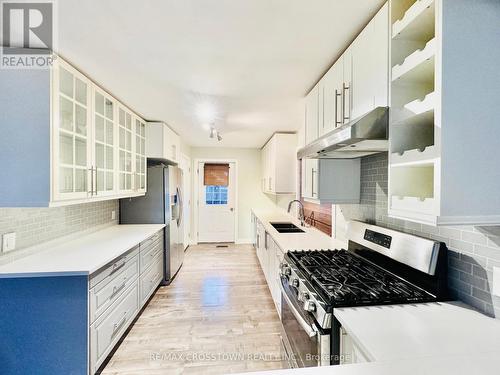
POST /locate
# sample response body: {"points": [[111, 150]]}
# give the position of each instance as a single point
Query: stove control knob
{"points": [[310, 306], [303, 297], [295, 283], [285, 270]]}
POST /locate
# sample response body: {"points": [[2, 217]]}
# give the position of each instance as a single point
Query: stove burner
{"points": [[345, 279]]}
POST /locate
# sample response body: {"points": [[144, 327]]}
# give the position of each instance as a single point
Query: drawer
{"points": [[151, 278], [109, 271], [147, 255], [106, 331], [105, 293], [154, 238]]}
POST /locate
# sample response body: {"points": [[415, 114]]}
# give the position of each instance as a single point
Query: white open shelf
{"points": [[420, 106], [415, 157], [419, 66], [413, 204], [418, 22]]}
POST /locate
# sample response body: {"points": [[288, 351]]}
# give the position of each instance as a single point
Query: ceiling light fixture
{"points": [[214, 133]]}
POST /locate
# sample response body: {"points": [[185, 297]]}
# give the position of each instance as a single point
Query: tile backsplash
{"points": [[37, 225], [473, 251]]}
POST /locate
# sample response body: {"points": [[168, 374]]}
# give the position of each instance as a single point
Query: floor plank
{"points": [[217, 317]]}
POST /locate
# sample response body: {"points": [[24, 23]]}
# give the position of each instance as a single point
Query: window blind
{"points": [[216, 174]]}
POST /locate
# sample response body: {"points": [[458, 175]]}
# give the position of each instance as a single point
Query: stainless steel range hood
{"points": [[363, 136]]}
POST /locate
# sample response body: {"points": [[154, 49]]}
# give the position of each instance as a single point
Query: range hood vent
{"points": [[363, 136]]}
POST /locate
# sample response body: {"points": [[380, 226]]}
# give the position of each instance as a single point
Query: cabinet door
{"points": [[332, 95], [310, 179], [312, 108], [271, 160], [362, 72], [140, 155], [71, 135], [104, 143], [125, 154], [345, 104], [381, 57]]}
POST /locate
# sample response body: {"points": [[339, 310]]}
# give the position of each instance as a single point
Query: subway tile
{"points": [[476, 282], [476, 238], [461, 246], [487, 252], [482, 295], [450, 233]]}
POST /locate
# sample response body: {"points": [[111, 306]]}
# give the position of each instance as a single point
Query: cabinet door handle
{"points": [[91, 192], [119, 324], [118, 265], [312, 182], [95, 180], [116, 289], [337, 94], [344, 89]]}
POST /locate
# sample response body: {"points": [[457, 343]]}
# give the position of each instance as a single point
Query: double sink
{"points": [[286, 228]]}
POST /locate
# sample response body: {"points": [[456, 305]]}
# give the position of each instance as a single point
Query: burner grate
{"points": [[346, 279]]}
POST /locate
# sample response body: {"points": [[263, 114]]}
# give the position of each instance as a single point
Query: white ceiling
{"points": [[249, 61]]}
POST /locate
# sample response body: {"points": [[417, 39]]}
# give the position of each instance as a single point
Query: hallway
{"points": [[216, 317]]}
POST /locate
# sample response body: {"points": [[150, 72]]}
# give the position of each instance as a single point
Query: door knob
{"points": [[232, 209]]}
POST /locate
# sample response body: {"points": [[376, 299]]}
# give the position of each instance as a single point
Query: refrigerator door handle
{"points": [[179, 206]]}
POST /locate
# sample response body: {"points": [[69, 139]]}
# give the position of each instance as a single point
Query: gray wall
{"points": [[37, 225], [474, 251]]}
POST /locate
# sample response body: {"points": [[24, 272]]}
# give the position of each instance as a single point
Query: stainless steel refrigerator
{"points": [[162, 204]]}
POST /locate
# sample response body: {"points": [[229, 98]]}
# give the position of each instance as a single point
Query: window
{"points": [[215, 194]]}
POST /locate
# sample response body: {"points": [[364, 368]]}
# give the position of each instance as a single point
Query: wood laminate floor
{"points": [[217, 317]]}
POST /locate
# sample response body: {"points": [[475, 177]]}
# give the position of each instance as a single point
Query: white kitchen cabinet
{"points": [[312, 115], [104, 139], [70, 127], [350, 352], [270, 257], [162, 142], [336, 181], [279, 164], [118, 292], [370, 66], [357, 82], [443, 149]]}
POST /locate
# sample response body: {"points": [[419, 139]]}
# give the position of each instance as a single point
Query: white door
{"points": [[216, 208]]}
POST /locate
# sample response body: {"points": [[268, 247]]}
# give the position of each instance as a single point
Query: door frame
{"points": [[196, 192], [185, 162]]}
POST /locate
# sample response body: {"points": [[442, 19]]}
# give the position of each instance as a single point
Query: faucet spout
{"points": [[301, 211]]}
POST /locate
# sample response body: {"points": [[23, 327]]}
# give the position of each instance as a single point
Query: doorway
{"points": [[216, 201], [185, 165]]}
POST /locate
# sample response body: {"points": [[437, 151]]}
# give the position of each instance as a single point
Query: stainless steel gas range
{"points": [[379, 267]]}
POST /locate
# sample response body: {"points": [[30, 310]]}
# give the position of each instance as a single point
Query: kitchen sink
{"points": [[286, 228]]}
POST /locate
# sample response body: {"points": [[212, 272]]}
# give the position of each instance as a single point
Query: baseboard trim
{"points": [[243, 241]]}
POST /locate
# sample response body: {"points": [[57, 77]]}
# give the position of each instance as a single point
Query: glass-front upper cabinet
{"points": [[105, 167], [140, 155], [125, 152], [71, 164]]}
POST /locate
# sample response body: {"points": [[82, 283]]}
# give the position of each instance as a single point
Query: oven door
{"points": [[304, 342]]}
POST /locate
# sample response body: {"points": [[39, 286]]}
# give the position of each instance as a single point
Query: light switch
{"points": [[8, 242], [496, 281], [113, 215]]}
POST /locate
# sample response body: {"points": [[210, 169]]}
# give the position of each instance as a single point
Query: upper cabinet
{"points": [[279, 163], [444, 144], [357, 82], [68, 129], [162, 142]]}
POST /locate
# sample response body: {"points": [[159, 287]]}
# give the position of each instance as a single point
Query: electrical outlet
{"points": [[113, 215], [8, 242], [496, 281]]}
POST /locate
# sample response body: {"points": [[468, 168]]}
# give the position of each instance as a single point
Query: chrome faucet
{"points": [[302, 217]]}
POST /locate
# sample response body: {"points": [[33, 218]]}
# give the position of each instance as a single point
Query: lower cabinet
{"points": [[118, 292], [349, 350], [270, 256]]}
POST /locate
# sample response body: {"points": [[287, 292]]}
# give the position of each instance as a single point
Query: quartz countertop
{"points": [[397, 332], [311, 239], [80, 256]]}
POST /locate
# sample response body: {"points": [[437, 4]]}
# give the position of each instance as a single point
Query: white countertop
{"points": [[474, 364], [311, 239], [408, 331], [81, 256]]}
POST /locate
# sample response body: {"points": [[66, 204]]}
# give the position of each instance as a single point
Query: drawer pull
{"points": [[117, 290], [117, 326], [118, 265]]}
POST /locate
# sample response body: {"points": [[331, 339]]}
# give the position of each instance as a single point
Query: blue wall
{"points": [[44, 325]]}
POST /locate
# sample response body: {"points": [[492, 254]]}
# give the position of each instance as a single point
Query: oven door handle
{"points": [[310, 330]]}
